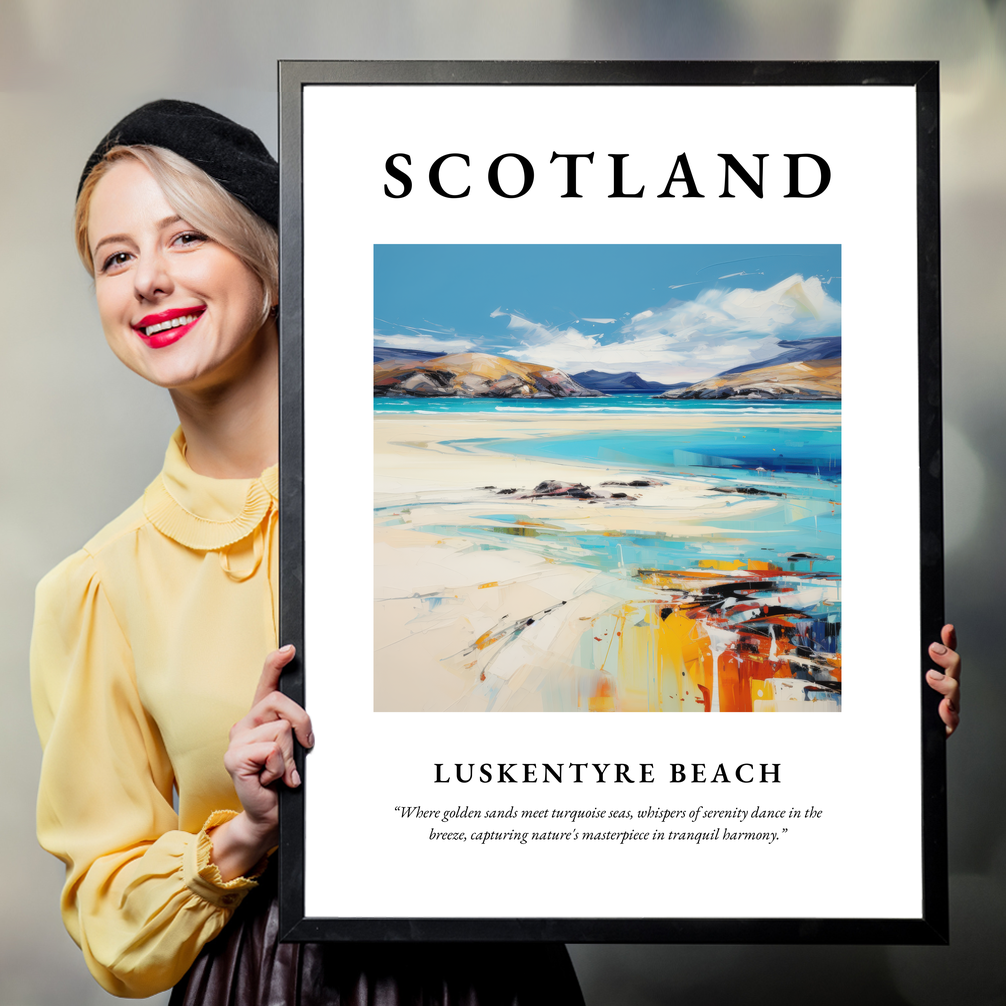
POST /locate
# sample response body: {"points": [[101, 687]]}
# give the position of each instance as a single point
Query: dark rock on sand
{"points": [[567, 490], [746, 490], [638, 483]]}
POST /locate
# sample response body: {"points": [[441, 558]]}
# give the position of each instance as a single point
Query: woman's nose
{"points": [[152, 277]]}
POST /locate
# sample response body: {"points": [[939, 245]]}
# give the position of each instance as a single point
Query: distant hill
{"points": [[621, 384], [805, 369], [796, 351], [806, 379], [474, 375], [389, 353]]}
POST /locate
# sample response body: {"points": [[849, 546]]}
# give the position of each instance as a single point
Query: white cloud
{"points": [[687, 340], [532, 334], [427, 342], [600, 321]]}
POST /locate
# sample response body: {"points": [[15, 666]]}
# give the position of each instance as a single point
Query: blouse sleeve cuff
{"points": [[202, 876]]}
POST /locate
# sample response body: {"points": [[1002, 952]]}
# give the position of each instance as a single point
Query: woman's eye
{"points": [[114, 261], [190, 238]]}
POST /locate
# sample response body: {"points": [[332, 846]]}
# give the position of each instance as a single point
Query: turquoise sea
{"points": [[794, 472], [610, 403]]}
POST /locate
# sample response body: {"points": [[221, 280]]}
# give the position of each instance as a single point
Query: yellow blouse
{"points": [[147, 647]]}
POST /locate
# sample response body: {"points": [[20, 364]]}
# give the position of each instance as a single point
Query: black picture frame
{"points": [[932, 926]]}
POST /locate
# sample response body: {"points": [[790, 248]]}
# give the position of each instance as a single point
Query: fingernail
{"points": [[287, 649], [310, 740], [938, 648], [936, 675], [295, 777]]}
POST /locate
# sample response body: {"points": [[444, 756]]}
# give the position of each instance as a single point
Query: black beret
{"points": [[230, 154]]}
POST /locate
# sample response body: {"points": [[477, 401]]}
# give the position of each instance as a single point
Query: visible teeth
{"points": [[174, 323]]}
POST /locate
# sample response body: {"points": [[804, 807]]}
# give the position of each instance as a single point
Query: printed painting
{"points": [[607, 478]]}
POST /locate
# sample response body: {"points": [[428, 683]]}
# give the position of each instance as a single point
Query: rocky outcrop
{"points": [[474, 375]]}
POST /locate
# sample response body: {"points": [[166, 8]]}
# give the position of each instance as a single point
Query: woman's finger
{"points": [[950, 689], [261, 760], [277, 706], [278, 732], [273, 766], [945, 685], [950, 716], [948, 659], [271, 671], [949, 636]]}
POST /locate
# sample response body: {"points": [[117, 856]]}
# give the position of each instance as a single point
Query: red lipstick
{"points": [[166, 327]]}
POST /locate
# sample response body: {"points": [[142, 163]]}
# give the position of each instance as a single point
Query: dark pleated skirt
{"points": [[246, 965]]}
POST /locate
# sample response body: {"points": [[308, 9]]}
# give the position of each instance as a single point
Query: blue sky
{"points": [[669, 312]]}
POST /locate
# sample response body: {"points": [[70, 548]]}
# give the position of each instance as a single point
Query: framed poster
{"points": [[653, 430]]}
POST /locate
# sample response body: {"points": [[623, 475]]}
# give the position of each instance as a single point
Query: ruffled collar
{"points": [[203, 513]]}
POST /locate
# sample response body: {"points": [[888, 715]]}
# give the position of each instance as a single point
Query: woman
{"points": [[149, 642]]}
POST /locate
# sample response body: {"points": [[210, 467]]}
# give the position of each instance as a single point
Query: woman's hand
{"points": [[947, 682], [260, 753]]}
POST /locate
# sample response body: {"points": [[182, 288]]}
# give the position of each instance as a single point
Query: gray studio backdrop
{"points": [[82, 437]]}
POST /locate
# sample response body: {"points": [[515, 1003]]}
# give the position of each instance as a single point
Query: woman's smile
{"points": [[166, 327]]}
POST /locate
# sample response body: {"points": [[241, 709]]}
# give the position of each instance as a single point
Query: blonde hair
{"points": [[199, 200]]}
